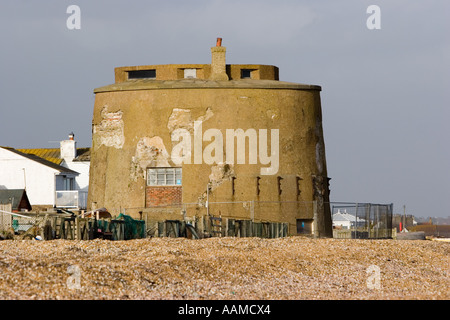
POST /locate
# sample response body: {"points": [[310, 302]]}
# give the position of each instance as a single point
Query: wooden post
{"points": [[77, 228], [226, 227], [62, 234]]}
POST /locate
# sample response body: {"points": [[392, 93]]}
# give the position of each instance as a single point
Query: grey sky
{"points": [[385, 93]]}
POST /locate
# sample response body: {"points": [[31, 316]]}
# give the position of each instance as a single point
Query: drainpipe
{"points": [[54, 190]]}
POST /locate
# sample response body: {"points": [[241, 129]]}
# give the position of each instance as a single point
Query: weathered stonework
{"points": [[109, 132], [135, 120], [150, 152]]}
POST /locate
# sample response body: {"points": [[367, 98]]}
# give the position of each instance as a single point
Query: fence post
{"points": [[367, 222], [77, 229]]}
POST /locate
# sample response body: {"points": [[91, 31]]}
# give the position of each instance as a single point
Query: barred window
{"points": [[164, 177]]}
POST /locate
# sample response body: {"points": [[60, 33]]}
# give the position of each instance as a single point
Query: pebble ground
{"points": [[224, 268]]}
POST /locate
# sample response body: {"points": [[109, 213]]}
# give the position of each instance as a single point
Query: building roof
{"points": [[149, 84], [344, 216], [40, 160], [17, 197], [54, 154], [83, 154]]}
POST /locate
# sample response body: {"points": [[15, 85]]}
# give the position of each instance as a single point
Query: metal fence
{"points": [[362, 220], [14, 223]]}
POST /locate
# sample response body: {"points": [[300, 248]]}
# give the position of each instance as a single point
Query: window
{"points": [[142, 74], [68, 183], [304, 226], [246, 73], [164, 177], [190, 73]]}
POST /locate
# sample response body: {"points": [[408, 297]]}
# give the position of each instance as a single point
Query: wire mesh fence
{"points": [[14, 223], [362, 220]]}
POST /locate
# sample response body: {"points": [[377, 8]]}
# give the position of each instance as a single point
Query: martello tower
{"points": [[210, 139]]}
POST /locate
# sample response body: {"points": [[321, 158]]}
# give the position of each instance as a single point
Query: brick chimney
{"points": [[218, 65], [68, 148]]}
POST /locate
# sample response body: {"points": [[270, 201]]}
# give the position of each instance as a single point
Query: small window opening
{"points": [[246, 74], [142, 74], [190, 73], [304, 226]]}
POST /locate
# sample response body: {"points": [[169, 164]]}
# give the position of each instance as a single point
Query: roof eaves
{"points": [[42, 161]]}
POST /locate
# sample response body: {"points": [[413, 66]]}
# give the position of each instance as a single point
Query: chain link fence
{"points": [[12, 224]]}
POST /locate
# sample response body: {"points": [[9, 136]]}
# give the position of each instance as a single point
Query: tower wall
{"points": [[133, 127]]}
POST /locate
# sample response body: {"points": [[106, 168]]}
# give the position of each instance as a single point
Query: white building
{"points": [[77, 160], [51, 177], [346, 220]]}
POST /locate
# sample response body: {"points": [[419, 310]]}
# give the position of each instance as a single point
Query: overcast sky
{"points": [[385, 93]]}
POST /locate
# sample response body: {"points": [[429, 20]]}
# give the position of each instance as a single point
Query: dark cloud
{"points": [[385, 92]]}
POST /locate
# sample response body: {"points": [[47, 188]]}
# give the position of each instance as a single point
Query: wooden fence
{"points": [[216, 226], [77, 228]]}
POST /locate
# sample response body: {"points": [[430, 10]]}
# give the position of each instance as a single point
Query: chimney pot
{"points": [[219, 42]]}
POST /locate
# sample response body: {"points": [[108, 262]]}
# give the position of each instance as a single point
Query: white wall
{"points": [[82, 167], [344, 224], [39, 179]]}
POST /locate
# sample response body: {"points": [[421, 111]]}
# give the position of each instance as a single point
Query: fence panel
{"points": [[266, 219], [362, 220]]}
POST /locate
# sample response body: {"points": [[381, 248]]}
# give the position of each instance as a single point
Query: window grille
{"points": [[164, 177]]}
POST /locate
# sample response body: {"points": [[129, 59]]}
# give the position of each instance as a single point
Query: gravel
{"points": [[225, 268]]}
